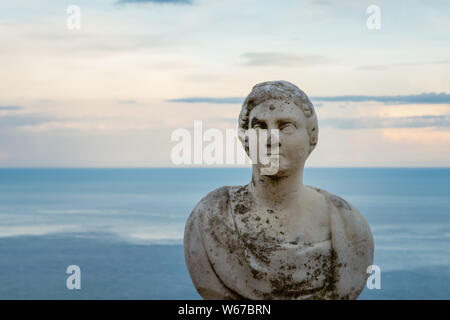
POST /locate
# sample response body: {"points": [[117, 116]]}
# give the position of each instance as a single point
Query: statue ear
{"points": [[243, 137], [313, 139], [246, 147]]}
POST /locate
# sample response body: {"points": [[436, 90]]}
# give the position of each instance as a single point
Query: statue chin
{"points": [[276, 238], [282, 169]]}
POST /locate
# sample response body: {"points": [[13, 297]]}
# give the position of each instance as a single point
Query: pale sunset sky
{"points": [[111, 93]]}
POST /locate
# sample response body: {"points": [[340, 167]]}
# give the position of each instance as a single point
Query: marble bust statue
{"points": [[276, 238]]}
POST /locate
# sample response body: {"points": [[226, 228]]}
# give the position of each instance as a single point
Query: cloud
{"points": [[423, 98], [394, 122], [229, 100], [264, 59], [130, 101], [8, 108], [379, 67], [98, 42], [23, 120], [154, 1], [322, 3]]}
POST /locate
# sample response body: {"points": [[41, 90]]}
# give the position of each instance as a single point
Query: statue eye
{"points": [[287, 127], [258, 126]]}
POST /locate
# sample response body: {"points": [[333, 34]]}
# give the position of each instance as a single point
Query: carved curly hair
{"points": [[278, 90]]}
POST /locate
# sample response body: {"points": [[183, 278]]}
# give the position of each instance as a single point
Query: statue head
{"points": [[281, 105]]}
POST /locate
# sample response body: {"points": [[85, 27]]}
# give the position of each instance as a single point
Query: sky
{"points": [[111, 93]]}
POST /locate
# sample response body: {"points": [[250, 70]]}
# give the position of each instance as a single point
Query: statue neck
{"points": [[279, 192]]}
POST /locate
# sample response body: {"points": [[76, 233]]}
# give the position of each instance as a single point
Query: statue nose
{"points": [[269, 145], [273, 138], [272, 148]]}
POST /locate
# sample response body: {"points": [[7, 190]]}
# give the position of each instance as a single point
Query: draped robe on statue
{"points": [[229, 259]]}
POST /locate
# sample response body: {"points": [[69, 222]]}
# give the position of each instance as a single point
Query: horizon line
{"points": [[312, 167]]}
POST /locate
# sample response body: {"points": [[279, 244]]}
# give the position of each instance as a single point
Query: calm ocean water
{"points": [[124, 228]]}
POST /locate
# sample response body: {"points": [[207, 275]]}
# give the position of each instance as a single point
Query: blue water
{"points": [[124, 229]]}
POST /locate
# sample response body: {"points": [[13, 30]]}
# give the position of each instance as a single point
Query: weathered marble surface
{"points": [[276, 238]]}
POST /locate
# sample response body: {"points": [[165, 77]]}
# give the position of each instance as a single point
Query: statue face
{"points": [[291, 122]]}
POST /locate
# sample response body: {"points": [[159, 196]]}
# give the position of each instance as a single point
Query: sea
{"points": [[124, 229]]}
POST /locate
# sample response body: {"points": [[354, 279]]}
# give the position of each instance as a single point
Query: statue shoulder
{"points": [[202, 227], [343, 210], [335, 200], [353, 245], [215, 201]]}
